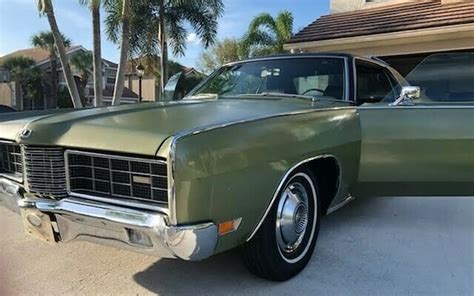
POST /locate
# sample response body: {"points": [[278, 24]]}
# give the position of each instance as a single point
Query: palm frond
{"points": [[113, 21], [284, 26], [45, 40], [201, 17], [177, 33]]}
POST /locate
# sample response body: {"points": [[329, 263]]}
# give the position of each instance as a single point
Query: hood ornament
{"points": [[25, 133]]}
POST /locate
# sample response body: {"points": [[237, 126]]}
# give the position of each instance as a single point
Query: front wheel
{"points": [[283, 245]]}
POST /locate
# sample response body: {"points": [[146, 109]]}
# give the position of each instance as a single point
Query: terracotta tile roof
{"points": [[37, 54], [387, 19], [109, 92]]}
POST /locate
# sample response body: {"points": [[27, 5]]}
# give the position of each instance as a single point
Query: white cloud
{"points": [[192, 38]]}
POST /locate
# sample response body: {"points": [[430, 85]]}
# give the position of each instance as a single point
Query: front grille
{"points": [[117, 177], [45, 171], [11, 164]]}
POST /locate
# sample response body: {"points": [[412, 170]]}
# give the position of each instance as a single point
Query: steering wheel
{"points": [[313, 89]]}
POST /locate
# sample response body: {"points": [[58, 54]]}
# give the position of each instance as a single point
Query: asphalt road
{"points": [[380, 246]]}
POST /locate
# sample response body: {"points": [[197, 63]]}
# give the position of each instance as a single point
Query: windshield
{"points": [[315, 77], [443, 78]]}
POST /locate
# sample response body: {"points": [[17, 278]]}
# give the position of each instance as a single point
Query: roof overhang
{"points": [[445, 38], [68, 52]]}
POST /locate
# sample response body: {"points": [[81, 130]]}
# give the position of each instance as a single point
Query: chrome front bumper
{"points": [[71, 219]]}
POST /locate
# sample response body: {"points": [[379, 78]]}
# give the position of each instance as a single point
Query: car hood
{"points": [[138, 129]]}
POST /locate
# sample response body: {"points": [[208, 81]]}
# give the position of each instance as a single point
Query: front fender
{"points": [[232, 172]]}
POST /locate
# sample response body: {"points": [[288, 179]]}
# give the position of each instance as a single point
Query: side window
{"points": [[322, 78], [373, 84], [445, 78]]}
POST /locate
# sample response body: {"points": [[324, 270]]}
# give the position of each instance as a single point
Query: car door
{"points": [[426, 148]]}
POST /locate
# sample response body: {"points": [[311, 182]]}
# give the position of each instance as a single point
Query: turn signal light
{"points": [[229, 226]]}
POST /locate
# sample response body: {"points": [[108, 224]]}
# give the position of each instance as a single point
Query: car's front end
{"points": [[64, 195]]}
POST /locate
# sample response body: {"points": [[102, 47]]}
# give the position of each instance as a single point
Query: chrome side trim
{"points": [[419, 107], [195, 131], [129, 203], [282, 182], [340, 205], [202, 129]]}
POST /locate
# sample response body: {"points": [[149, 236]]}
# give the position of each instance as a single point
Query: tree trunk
{"points": [[164, 49], [124, 47], [98, 80], [71, 84], [53, 101]]}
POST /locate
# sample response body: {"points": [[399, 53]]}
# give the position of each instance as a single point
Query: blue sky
{"points": [[19, 20]]}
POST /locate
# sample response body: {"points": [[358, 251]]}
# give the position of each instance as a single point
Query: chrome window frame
{"points": [[386, 67], [346, 73], [131, 202]]}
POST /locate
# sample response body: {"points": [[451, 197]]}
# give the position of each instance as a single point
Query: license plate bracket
{"points": [[38, 225]]}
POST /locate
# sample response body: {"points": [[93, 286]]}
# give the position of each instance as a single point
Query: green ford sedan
{"points": [[253, 157]]}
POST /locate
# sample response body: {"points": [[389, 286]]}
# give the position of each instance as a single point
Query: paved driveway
{"points": [[380, 246]]}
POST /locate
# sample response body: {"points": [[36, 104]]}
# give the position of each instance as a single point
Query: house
{"points": [[401, 32], [41, 57], [151, 90]]}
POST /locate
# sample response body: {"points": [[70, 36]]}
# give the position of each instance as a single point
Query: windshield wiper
{"points": [[282, 95], [278, 95]]}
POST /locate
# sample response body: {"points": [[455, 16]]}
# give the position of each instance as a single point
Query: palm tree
{"points": [[119, 11], [82, 63], [158, 24], [45, 40], [45, 7], [28, 77], [267, 35], [94, 6]]}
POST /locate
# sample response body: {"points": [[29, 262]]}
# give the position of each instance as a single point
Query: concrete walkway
{"points": [[379, 246]]}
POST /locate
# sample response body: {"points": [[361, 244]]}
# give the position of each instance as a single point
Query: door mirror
{"points": [[408, 94]]}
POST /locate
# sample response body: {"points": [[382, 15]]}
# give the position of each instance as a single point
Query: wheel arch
{"points": [[317, 165]]}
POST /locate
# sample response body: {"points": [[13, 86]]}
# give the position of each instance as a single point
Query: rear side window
{"points": [[373, 82]]}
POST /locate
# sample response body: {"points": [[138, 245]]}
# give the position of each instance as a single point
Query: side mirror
{"points": [[408, 94]]}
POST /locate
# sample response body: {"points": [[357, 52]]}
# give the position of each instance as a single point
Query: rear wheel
{"points": [[283, 245]]}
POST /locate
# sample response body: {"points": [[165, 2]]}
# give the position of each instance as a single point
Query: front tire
{"points": [[285, 242]]}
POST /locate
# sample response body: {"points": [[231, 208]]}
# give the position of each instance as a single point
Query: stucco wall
{"points": [[351, 5], [6, 94], [149, 89]]}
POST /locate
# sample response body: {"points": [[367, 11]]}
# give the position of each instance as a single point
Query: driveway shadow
{"points": [[381, 246]]}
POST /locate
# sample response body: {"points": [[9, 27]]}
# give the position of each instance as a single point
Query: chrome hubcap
{"points": [[292, 217]]}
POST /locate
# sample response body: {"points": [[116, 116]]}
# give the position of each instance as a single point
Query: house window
{"points": [[110, 80]]}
